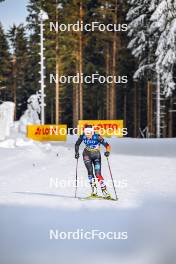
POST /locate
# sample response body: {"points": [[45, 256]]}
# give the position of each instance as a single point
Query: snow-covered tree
{"points": [[152, 32], [163, 22], [139, 19]]}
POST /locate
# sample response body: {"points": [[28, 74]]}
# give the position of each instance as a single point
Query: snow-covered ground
{"points": [[37, 195]]}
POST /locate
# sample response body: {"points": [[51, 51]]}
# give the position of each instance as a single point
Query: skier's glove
{"points": [[107, 153], [77, 156]]}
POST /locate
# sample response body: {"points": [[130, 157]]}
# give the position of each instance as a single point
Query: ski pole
{"points": [[76, 186], [112, 179]]}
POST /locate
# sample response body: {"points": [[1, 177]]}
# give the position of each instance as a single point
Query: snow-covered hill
{"points": [[37, 195]]}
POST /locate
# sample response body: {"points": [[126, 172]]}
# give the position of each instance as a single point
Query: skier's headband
{"points": [[89, 130]]}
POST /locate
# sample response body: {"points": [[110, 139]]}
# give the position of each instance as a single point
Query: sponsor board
{"points": [[106, 128], [47, 132]]}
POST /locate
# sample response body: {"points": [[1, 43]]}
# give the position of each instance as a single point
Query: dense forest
{"points": [[146, 54]]}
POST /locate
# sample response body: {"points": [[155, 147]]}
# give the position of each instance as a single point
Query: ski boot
{"points": [[105, 193], [94, 189]]}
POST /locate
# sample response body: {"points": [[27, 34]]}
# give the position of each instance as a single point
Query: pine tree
{"points": [[60, 59], [139, 32], [33, 8], [5, 60], [152, 32], [19, 43], [143, 44], [164, 25]]}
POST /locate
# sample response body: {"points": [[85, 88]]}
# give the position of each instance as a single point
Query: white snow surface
{"points": [[30, 205]]}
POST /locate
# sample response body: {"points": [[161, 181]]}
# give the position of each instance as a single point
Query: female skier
{"points": [[92, 158]]}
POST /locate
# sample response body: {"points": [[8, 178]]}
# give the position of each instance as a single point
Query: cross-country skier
{"points": [[92, 157]]}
